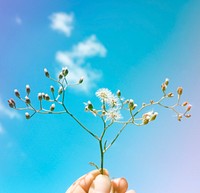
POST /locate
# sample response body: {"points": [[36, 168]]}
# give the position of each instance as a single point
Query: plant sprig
{"points": [[109, 112]]}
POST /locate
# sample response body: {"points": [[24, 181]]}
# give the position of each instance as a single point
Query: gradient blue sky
{"points": [[128, 45]]}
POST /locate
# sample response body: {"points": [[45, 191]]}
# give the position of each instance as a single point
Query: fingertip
{"points": [[120, 185], [101, 184]]}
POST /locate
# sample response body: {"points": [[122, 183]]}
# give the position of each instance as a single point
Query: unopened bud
{"points": [[170, 94], [40, 96], [185, 103], [163, 87], [47, 97], [145, 121], [89, 105], [167, 81], [80, 80], [11, 103], [60, 90], [46, 73], [180, 90], [17, 94], [52, 107], [28, 89], [179, 117], [188, 116], [153, 117], [189, 107], [52, 88], [27, 100], [131, 105], [43, 95], [60, 76], [27, 115], [119, 93], [65, 71]]}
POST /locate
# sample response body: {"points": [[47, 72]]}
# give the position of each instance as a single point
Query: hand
{"points": [[94, 182]]}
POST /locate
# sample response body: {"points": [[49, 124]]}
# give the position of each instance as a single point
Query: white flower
{"points": [[104, 94], [113, 114]]}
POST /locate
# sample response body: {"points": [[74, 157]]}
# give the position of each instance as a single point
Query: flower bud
{"points": [[170, 94], [11, 103], [153, 117], [60, 90], [60, 76], [28, 89], [80, 80], [145, 121], [27, 115], [52, 107], [52, 88], [188, 116], [89, 105], [185, 103], [17, 94], [167, 81], [163, 87], [131, 104], [65, 72], [39, 96], [47, 97], [189, 107], [179, 90], [27, 100], [43, 95], [119, 93], [179, 117], [46, 73]]}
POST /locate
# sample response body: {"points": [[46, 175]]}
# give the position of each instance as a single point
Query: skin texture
{"points": [[94, 182]]}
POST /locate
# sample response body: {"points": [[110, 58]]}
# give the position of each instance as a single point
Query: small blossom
{"points": [[153, 116], [113, 114], [104, 94], [27, 115], [131, 105], [43, 95], [46, 73], [17, 94]]}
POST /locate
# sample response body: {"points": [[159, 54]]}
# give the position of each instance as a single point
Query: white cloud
{"points": [[4, 110], [62, 22], [74, 60]]}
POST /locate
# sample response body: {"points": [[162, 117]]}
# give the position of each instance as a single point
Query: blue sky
{"points": [[132, 46]]}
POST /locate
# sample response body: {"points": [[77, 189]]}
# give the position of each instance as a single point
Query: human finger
{"points": [[101, 184], [83, 184], [119, 185]]}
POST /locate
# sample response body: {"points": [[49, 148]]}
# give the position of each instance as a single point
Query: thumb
{"points": [[101, 184]]}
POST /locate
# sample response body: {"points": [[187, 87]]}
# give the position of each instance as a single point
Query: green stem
{"points": [[102, 156]]}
